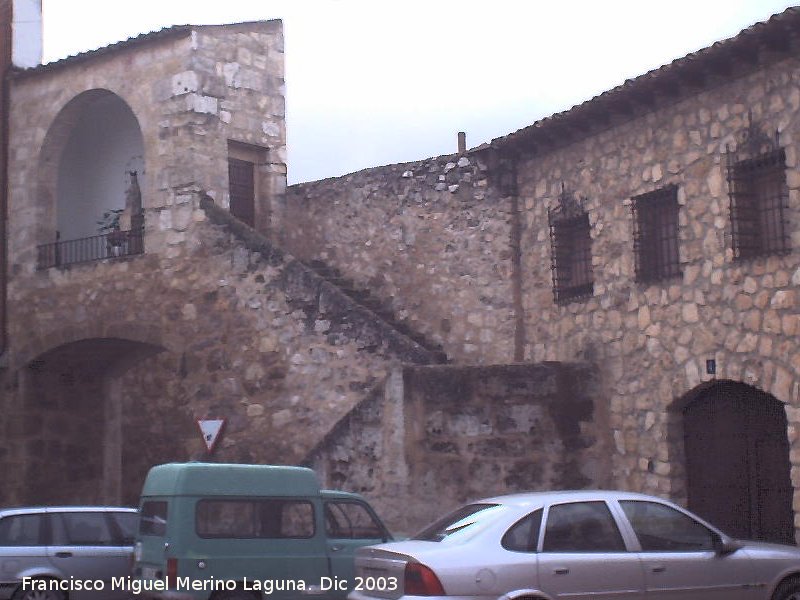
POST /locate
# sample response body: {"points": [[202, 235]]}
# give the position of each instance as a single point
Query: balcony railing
{"points": [[98, 247]]}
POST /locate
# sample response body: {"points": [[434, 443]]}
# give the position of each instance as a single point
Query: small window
{"points": [[125, 525], [758, 203], [81, 529], [661, 528], [21, 530], [655, 218], [153, 519], [524, 534], [458, 520], [582, 527], [351, 520], [572, 258], [264, 518], [571, 249]]}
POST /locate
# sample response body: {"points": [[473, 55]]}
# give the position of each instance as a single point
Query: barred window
{"points": [[758, 198], [572, 258], [655, 236]]}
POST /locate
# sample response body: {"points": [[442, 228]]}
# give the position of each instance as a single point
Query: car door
{"points": [[85, 547], [680, 559], [583, 554], [348, 526], [23, 546]]}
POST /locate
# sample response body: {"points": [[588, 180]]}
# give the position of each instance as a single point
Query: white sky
{"points": [[373, 82]]}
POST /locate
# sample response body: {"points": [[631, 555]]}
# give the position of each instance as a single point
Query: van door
{"points": [[349, 525], [152, 538], [273, 542]]}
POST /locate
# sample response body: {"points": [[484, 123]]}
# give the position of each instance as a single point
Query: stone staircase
{"points": [[380, 308], [321, 292]]}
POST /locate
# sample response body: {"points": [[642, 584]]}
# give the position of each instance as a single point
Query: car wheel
{"points": [[788, 590], [22, 594]]}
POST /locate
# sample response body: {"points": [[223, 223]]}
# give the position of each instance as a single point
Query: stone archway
{"points": [[737, 460], [71, 411], [90, 149]]}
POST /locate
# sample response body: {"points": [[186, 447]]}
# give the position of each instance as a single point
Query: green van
{"points": [[210, 531]]}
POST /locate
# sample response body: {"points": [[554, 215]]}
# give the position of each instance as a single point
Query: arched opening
{"points": [[737, 461], [72, 421], [91, 173]]}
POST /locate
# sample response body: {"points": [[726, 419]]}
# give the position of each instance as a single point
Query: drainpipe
{"points": [[504, 162], [516, 257]]}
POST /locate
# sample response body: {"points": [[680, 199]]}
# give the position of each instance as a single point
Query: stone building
{"points": [[605, 298]]}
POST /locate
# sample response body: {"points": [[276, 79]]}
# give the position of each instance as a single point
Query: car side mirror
{"points": [[724, 546]]}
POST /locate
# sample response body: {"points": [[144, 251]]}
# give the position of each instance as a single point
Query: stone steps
{"points": [[366, 299]]}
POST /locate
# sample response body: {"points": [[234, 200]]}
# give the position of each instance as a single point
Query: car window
{"points": [[21, 530], [582, 527], [153, 520], [126, 524], [81, 529], [661, 528], [458, 520], [261, 518], [524, 534], [350, 520]]}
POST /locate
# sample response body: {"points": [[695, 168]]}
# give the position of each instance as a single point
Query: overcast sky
{"points": [[373, 82]]}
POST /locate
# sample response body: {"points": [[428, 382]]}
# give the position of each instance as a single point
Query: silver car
{"points": [[53, 553], [583, 544]]}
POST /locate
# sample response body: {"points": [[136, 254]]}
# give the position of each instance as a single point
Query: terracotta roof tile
{"points": [[768, 34]]}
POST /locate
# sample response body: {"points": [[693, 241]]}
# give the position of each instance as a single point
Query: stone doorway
{"points": [[737, 461], [72, 422]]}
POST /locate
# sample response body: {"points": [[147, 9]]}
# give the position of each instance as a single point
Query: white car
{"points": [[580, 544]]}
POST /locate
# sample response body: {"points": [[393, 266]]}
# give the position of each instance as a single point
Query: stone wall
{"points": [[653, 340], [442, 435], [240, 330], [432, 237], [192, 90], [84, 330]]}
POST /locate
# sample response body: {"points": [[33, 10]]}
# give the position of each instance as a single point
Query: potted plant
{"points": [[109, 226]]}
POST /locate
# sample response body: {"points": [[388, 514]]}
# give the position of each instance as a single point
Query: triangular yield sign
{"points": [[210, 430]]}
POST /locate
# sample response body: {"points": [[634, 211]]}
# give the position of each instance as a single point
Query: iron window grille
{"points": [[571, 250], [758, 195], [655, 234]]}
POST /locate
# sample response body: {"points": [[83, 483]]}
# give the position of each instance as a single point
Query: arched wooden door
{"points": [[737, 462]]}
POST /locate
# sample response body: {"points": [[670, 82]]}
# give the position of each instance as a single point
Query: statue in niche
{"points": [[133, 205]]}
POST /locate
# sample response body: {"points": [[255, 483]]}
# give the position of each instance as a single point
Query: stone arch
{"points": [[70, 408], [90, 144], [730, 457], [143, 333]]}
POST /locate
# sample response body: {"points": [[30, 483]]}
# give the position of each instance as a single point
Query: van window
{"points": [[153, 519], [350, 520], [260, 518]]}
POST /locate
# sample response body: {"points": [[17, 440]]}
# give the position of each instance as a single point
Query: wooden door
{"points": [[737, 462], [241, 178]]}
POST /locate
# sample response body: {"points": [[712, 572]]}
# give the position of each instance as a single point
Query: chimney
{"points": [[26, 33], [462, 142]]}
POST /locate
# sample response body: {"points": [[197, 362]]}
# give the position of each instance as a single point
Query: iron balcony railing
{"points": [[114, 244]]}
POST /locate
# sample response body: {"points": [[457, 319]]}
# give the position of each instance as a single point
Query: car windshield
{"points": [[458, 520]]}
